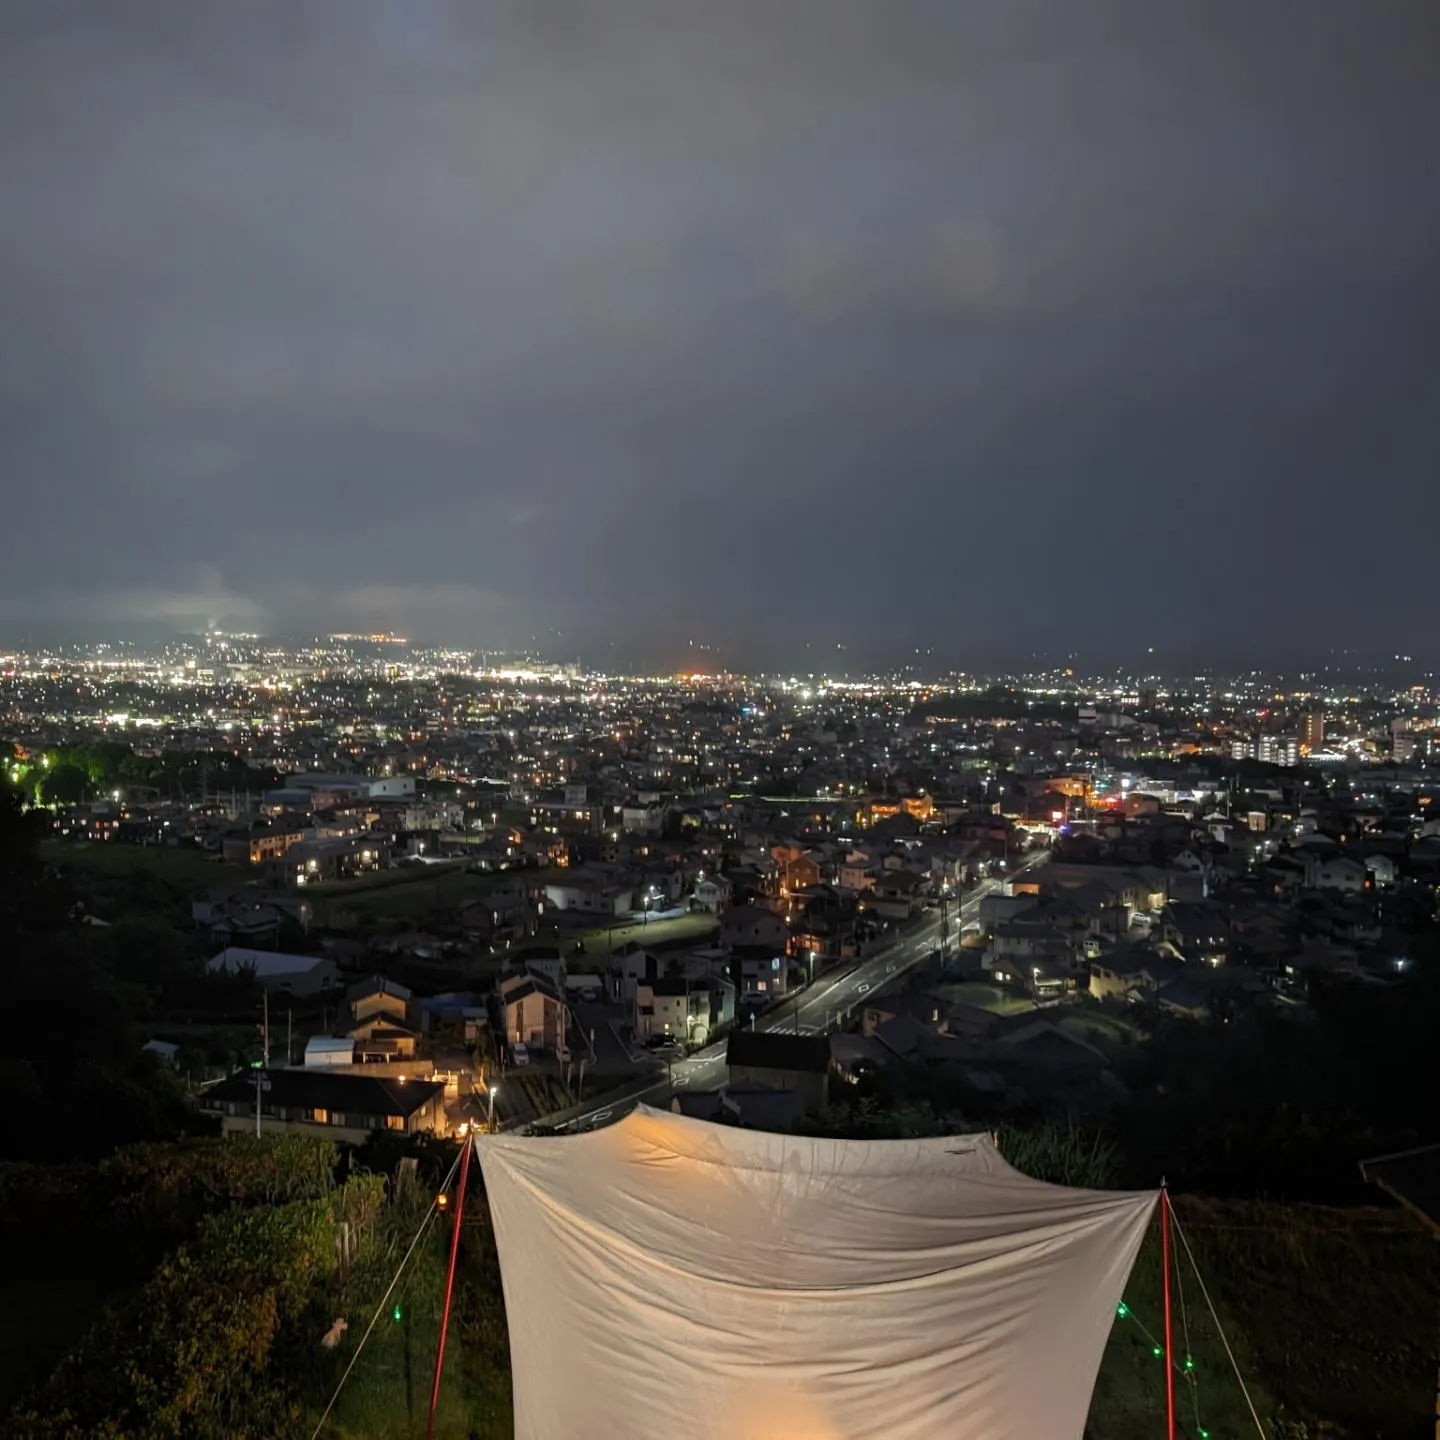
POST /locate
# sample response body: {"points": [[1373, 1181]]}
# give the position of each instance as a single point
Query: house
{"points": [[1131, 973], [314, 861], [898, 894], [266, 840], [1185, 997], [668, 1007], [325, 1052], [277, 971], [1382, 870], [535, 1011], [231, 919], [924, 1009], [749, 925], [384, 1023], [1200, 930], [629, 965], [316, 1101], [799, 1064], [1341, 872], [711, 893], [824, 923], [378, 996], [590, 895], [858, 871], [798, 868], [762, 976]]}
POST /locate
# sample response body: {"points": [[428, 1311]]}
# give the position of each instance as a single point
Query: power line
{"points": [[1220, 1330]]}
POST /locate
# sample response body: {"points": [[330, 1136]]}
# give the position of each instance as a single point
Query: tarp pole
{"points": [[450, 1285], [1169, 1350]]}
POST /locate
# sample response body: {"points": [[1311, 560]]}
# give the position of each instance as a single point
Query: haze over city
{"points": [[604, 329]]}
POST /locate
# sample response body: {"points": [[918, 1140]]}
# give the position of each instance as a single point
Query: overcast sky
{"points": [[973, 326]]}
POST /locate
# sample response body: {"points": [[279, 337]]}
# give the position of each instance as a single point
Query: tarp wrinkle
{"points": [[665, 1274]]}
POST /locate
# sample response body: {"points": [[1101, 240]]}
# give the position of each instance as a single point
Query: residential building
{"points": [[277, 971], [1278, 750], [590, 895], [749, 925], [668, 1006], [265, 840], [781, 1061], [384, 1021], [1341, 872], [318, 1101], [762, 976], [535, 1011], [711, 893]]}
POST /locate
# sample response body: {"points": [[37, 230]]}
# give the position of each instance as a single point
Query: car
{"points": [[519, 1054]]}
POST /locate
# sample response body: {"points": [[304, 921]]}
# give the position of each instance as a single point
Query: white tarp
{"points": [[670, 1277]]}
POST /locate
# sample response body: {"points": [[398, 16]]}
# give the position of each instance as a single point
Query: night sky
{"points": [[973, 327]]}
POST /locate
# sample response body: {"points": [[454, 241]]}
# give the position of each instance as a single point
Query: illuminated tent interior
{"points": [[665, 1275]]}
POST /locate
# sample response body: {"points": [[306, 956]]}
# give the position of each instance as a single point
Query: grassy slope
{"points": [[1331, 1314], [180, 865]]}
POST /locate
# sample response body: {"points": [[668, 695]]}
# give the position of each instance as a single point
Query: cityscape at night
{"points": [[719, 720]]}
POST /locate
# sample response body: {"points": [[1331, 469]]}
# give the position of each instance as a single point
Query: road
{"points": [[815, 1009]]}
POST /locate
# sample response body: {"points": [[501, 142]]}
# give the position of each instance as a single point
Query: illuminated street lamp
{"points": [[490, 1123]]}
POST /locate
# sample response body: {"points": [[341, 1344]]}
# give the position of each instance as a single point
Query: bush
{"points": [[187, 1356]]}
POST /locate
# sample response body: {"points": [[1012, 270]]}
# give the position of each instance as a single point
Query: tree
{"points": [[65, 784]]}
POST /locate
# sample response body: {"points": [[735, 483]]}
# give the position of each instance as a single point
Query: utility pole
{"points": [[290, 1037], [265, 1026], [262, 1084]]}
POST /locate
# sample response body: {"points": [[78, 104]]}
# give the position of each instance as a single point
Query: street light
{"points": [[490, 1123]]}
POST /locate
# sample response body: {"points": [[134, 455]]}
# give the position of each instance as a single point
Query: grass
{"points": [[1093, 1025], [181, 865], [994, 998], [1330, 1312], [682, 929], [408, 894]]}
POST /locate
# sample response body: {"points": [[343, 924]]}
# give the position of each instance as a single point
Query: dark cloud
{"points": [[955, 324]]}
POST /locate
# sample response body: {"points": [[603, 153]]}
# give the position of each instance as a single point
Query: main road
{"points": [[813, 1010]]}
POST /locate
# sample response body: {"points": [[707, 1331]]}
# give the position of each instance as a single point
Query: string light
{"points": [[1157, 1350]]}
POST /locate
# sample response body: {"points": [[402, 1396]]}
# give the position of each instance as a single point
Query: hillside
{"points": [[1330, 1312]]}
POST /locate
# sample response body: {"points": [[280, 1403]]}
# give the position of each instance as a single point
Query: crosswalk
{"points": [[791, 1028]]}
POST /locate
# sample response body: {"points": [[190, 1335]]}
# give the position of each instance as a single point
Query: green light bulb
{"points": [[396, 1313], [1157, 1352], [1122, 1309]]}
